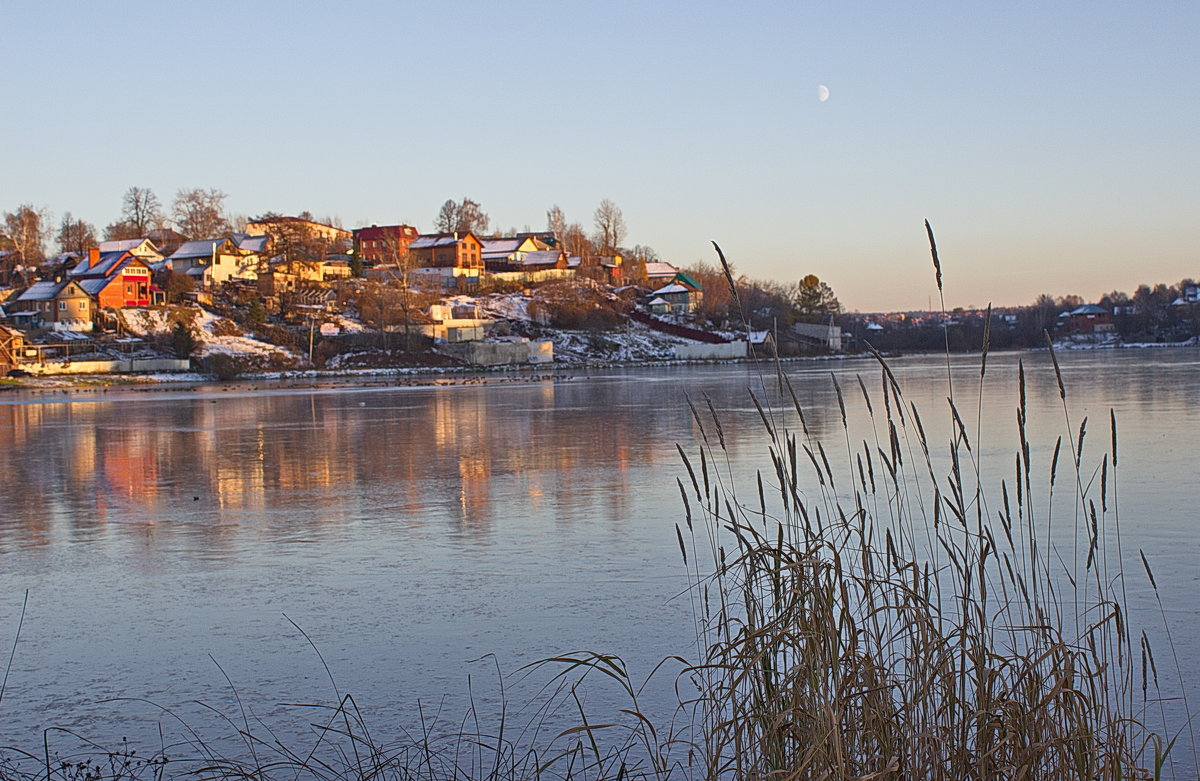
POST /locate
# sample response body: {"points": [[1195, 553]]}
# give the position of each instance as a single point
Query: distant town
{"points": [[195, 290]]}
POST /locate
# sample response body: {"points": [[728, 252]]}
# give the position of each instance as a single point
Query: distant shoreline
{"points": [[98, 384]]}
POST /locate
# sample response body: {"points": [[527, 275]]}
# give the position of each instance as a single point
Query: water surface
{"points": [[163, 537]]}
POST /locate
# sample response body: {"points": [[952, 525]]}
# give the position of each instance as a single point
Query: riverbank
{"points": [[420, 376]]}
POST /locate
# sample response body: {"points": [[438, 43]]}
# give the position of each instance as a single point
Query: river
{"points": [[172, 542]]}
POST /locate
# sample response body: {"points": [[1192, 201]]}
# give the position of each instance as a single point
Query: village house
{"points": [[507, 254], [1089, 319], [166, 240], [659, 273], [12, 348], [127, 285], [280, 228], [117, 279], [143, 249], [58, 305], [683, 294], [447, 260], [382, 244], [212, 262]]}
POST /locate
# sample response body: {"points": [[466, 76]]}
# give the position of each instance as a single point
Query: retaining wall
{"points": [[131, 366], [709, 352]]}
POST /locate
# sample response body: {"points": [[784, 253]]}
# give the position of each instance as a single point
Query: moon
{"points": [[822, 93]]}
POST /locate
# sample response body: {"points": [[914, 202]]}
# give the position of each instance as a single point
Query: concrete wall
{"points": [[708, 352], [830, 335], [531, 277], [132, 366], [501, 353]]}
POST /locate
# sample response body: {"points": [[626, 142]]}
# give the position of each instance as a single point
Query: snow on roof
{"points": [[123, 245], [435, 240], [542, 257], [501, 247], [200, 248], [674, 287], [94, 285], [250, 243], [41, 291], [106, 264], [759, 337], [659, 302], [573, 261], [1088, 309], [658, 269]]}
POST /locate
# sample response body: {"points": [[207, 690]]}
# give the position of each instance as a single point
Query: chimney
{"points": [[93, 256]]}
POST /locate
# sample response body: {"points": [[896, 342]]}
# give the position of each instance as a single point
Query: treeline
{"points": [[1153, 313]]}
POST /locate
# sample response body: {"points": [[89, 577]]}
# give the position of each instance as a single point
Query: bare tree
{"points": [[75, 235], [610, 227], [199, 213], [25, 230], [463, 217], [575, 241], [141, 210], [556, 222], [121, 230]]}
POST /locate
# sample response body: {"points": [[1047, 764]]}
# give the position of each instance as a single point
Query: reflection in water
{"points": [[222, 469], [413, 529]]}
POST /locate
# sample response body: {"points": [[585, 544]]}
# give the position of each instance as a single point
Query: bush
{"points": [[183, 340], [224, 366], [223, 326], [576, 305]]}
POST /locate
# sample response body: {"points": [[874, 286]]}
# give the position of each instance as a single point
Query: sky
{"points": [[1054, 147]]}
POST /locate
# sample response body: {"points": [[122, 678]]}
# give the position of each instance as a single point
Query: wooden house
{"points": [[213, 262], [447, 260], [1089, 319], [57, 305], [383, 244], [12, 348]]}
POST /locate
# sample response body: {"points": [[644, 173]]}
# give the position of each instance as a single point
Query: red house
{"points": [[381, 245], [115, 280]]}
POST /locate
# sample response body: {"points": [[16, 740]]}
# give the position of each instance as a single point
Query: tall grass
{"points": [[880, 614]]}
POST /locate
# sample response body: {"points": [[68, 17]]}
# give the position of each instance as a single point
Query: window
{"points": [[82, 305], [62, 306]]}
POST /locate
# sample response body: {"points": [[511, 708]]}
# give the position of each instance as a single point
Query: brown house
{"points": [[61, 306], [12, 348], [447, 250], [382, 244]]}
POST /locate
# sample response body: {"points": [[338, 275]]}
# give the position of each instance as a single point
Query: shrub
{"points": [[224, 366], [223, 326], [183, 340]]}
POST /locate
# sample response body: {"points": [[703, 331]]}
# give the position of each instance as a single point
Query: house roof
{"points": [[659, 302], [542, 257], [1089, 309], [105, 265], [659, 269], [200, 248], [674, 287], [125, 245], [41, 291], [430, 240], [499, 248], [249, 243], [94, 285]]}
